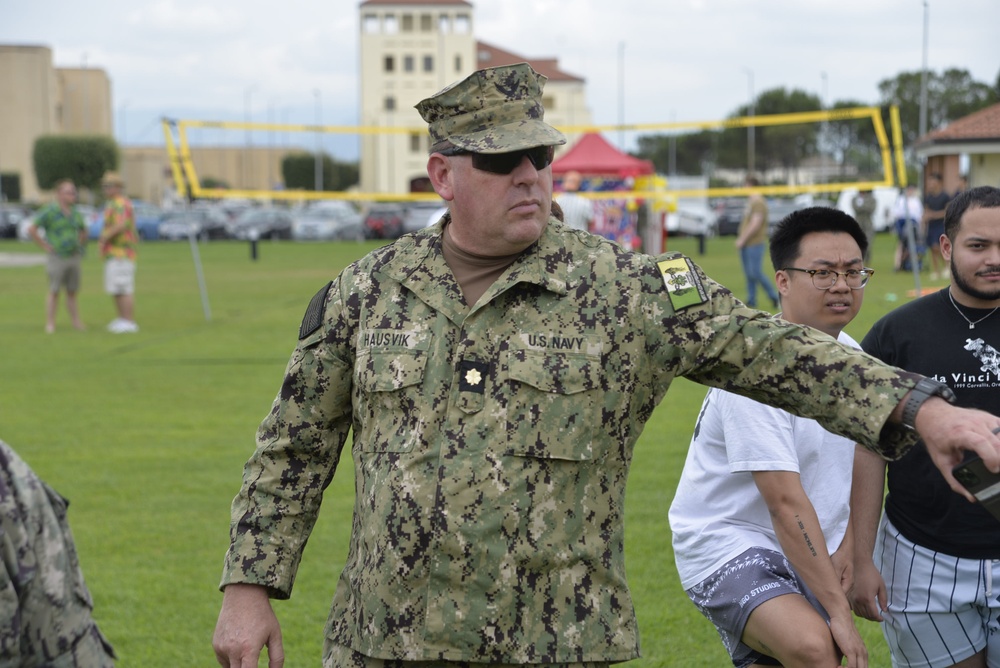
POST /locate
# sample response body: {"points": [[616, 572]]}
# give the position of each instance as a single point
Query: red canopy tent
{"points": [[592, 155]]}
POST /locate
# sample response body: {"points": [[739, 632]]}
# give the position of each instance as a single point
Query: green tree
{"points": [[786, 145], [951, 94], [10, 187], [298, 170], [83, 158], [213, 183], [694, 153], [777, 145], [853, 141]]}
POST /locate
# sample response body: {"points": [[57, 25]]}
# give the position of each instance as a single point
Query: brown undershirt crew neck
{"points": [[474, 273]]}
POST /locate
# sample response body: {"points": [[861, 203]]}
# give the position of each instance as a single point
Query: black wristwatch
{"points": [[925, 389]]}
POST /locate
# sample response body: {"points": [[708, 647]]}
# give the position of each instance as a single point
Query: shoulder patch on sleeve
{"points": [[683, 285], [313, 318]]}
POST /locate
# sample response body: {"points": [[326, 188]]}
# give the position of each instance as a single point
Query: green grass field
{"points": [[146, 434]]}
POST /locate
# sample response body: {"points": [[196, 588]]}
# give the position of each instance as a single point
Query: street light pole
{"points": [[823, 132], [319, 161], [923, 79], [750, 128], [621, 96], [247, 171], [124, 106]]}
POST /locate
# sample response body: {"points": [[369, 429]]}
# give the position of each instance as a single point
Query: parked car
{"points": [[728, 214], [692, 219], [201, 223], [147, 221], [422, 214], [384, 221], [778, 209], [332, 220], [266, 223], [10, 216]]}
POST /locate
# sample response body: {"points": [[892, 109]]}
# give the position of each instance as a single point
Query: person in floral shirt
{"points": [[118, 242], [64, 239]]}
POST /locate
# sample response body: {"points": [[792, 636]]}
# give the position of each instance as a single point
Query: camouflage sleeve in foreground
{"points": [[45, 607], [724, 344], [298, 448]]}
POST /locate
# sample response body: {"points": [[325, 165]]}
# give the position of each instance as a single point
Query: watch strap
{"points": [[924, 390]]}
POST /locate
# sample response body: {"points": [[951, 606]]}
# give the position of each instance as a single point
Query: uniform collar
{"points": [[418, 264]]}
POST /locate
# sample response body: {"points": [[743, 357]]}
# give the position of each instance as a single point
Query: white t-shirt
{"points": [[578, 212], [718, 512], [907, 207]]}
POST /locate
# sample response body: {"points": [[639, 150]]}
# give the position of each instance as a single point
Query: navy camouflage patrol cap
{"points": [[495, 110]]}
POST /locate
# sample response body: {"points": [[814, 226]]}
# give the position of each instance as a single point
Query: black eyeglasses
{"points": [[824, 279], [505, 163]]}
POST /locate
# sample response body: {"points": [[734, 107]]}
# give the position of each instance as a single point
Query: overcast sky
{"points": [[683, 60]]}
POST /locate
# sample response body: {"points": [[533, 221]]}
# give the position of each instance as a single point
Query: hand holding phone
{"points": [[983, 483]]}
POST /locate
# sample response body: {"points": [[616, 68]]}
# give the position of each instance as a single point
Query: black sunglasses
{"points": [[505, 163]]}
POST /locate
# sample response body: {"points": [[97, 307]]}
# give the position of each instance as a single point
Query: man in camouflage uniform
{"points": [[496, 370], [45, 607]]}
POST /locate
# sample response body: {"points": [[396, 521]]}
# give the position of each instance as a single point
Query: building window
{"points": [[548, 102], [428, 63], [462, 24], [389, 24], [444, 23], [407, 63], [458, 63], [390, 64], [369, 24], [416, 143], [390, 103], [407, 24], [426, 23]]}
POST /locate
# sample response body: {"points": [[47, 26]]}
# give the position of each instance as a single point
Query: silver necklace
{"points": [[972, 324]]}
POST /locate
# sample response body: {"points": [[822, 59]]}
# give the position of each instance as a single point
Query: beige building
{"points": [[409, 51], [38, 99], [147, 174]]}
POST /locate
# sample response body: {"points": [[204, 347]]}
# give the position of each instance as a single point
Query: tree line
{"points": [[951, 94], [86, 158]]}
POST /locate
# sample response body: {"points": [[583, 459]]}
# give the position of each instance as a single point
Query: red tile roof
{"points": [[488, 55], [982, 125]]}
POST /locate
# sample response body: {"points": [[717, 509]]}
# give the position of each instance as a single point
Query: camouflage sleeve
{"points": [[718, 341], [298, 447], [45, 606]]}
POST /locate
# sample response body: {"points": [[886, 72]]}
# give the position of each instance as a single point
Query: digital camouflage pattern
{"points": [[45, 607], [492, 443], [496, 110]]}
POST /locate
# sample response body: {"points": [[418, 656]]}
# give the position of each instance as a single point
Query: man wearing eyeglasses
{"points": [[496, 370], [761, 512]]}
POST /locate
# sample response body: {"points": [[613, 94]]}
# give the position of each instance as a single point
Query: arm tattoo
{"points": [[805, 535]]}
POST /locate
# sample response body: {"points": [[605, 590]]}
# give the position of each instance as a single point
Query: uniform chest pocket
{"points": [[387, 387], [553, 405]]}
